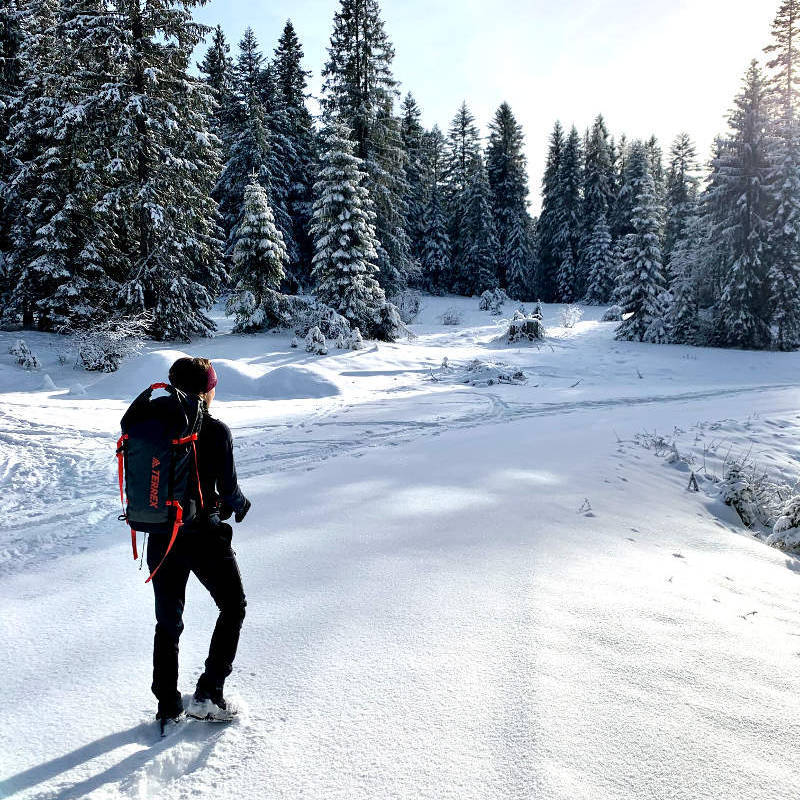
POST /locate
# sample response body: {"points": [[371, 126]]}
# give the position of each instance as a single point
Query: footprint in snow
{"points": [[629, 539], [678, 555]]}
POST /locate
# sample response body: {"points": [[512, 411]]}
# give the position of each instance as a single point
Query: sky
{"points": [[656, 67]]}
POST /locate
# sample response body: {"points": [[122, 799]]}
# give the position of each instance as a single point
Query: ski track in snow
{"points": [[534, 609]]}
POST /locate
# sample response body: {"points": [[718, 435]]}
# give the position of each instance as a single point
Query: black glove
{"points": [[240, 515]]}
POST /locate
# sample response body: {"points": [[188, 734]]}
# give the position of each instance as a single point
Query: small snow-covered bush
{"points": [[103, 347], [387, 324], [612, 314], [571, 316], [537, 310], [451, 316], [315, 342], [493, 300], [786, 530], [354, 342], [303, 313], [522, 328], [408, 304], [23, 355], [295, 342]]}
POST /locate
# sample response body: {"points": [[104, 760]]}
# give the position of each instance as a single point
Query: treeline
{"points": [[128, 184]]}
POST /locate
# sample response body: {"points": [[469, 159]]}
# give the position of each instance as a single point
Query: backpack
{"points": [[157, 463]]}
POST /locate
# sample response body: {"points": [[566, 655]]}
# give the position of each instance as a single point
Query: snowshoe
{"points": [[215, 709], [169, 720]]}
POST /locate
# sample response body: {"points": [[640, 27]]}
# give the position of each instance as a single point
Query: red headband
{"points": [[211, 378]]}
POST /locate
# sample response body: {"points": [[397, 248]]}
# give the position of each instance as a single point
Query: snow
{"points": [[434, 608]]}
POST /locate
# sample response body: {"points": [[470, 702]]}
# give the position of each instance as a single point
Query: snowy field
{"points": [[457, 588]]}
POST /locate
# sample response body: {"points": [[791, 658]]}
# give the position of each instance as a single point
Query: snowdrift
{"points": [[236, 380]]}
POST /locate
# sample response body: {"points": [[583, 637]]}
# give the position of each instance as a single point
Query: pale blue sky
{"points": [[657, 66]]}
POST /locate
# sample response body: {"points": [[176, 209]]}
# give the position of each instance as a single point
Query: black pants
{"points": [[206, 551]]}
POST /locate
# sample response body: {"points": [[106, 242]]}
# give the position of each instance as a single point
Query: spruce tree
{"points": [[686, 267], [546, 256], [413, 135], [681, 193], [217, 71], [359, 90], [158, 211], [568, 219], [258, 257], [598, 192], [345, 243], [11, 36], [58, 130], [784, 180], [505, 165], [642, 276], [634, 165], [601, 264], [463, 147], [435, 260], [740, 227], [475, 270], [296, 126]]}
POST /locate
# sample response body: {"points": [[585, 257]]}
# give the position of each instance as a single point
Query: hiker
{"points": [[202, 546]]}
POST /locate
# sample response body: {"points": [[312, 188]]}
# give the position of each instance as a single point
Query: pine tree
{"points": [[740, 207], [686, 261], [642, 270], [258, 257], [58, 130], [435, 261], [217, 70], [413, 136], [634, 165], [655, 163], [505, 165], [359, 90], [601, 264], [345, 243], [598, 193], [784, 64], [568, 220], [463, 147], [11, 37], [296, 126], [248, 72], [476, 267], [158, 212], [547, 227], [681, 193]]}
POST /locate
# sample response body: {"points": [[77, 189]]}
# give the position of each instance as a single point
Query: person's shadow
{"points": [[146, 734]]}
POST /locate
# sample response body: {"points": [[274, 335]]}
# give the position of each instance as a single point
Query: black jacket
{"points": [[217, 468]]}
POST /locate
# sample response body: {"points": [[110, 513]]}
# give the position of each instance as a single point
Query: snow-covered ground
{"points": [[457, 588]]}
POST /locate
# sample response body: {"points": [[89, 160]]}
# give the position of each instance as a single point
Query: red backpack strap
{"points": [[175, 528]]}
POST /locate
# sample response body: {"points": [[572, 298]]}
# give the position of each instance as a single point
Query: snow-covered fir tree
{"points": [[258, 259], [568, 219], [680, 193], [546, 250], [435, 262], [463, 146], [599, 191], [435, 259], [295, 124], [413, 135], [683, 322], [634, 165], [601, 264], [642, 271], [506, 168], [345, 242], [783, 84], [359, 90], [217, 71], [11, 34], [740, 206], [58, 129], [158, 211], [475, 268]]}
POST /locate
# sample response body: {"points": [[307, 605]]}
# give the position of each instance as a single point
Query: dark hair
{"points": [[190, 374]]}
